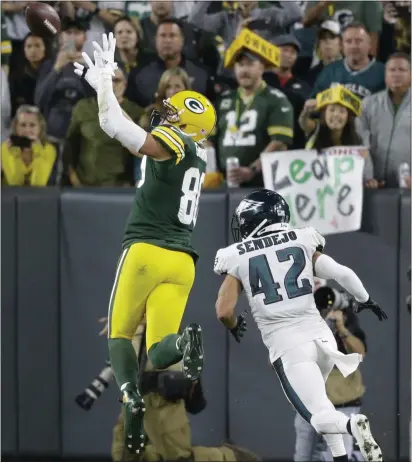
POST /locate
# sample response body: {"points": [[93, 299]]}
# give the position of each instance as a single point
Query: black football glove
{"points": [[239, 329], [371, 305]]}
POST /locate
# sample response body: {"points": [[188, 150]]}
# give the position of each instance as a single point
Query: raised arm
{"points": [[113, 120]]}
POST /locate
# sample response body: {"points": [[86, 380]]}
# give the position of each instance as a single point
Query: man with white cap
{"points": [[328, 49]]}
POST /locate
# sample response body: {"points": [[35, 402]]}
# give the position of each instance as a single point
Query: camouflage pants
{"points": [[167, 427]]}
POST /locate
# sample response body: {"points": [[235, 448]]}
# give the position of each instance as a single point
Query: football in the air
{"points": [[42, 19]]}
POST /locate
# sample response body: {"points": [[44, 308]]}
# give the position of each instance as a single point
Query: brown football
{"points": [[42, 19]]}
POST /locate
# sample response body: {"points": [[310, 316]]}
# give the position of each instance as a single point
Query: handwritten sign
{"points": [[323, 190]]}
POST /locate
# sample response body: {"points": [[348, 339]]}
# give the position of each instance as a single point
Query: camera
{"points": [[20, 141], [327, 298], [99, 384]]}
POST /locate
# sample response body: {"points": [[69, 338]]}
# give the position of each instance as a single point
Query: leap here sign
{"points": [[323, 190]]}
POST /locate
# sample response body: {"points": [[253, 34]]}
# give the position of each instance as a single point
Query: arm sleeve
{"points": [[280, 123], [327, 268], [171, 140], [111, 118]]}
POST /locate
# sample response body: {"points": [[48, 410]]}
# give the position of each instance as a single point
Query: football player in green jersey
{"points": [[155, 272], [252, 119]]}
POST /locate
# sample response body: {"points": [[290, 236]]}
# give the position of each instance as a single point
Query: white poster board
{"points": [[323, 190]]}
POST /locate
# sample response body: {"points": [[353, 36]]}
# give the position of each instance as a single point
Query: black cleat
{"points": [[134, 435], [191, 344]]}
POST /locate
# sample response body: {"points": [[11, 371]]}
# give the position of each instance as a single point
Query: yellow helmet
{"points": [[192, 113]]}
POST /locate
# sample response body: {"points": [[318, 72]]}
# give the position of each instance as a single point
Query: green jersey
{"points": [[247, 126], [165, 208]]}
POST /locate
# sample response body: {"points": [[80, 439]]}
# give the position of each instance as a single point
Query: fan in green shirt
{"points": [[91, 157]]}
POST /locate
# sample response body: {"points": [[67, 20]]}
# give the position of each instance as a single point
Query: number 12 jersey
{"points": [[164, 211], [276, 272]]}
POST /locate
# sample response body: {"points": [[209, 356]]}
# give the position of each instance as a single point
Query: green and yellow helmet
{"points": [[190, 112]]}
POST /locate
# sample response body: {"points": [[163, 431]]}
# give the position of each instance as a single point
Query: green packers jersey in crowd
{"points": [[165, 208], [245, 127]]}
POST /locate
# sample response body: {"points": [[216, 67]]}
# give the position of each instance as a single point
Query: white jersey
{"points": [[276, 272]]}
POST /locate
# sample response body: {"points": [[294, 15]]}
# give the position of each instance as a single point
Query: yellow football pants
{"points": [[153, 281]]}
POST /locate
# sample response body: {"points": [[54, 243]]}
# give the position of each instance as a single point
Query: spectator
{"points": [[336, 123], [296, 90], [5, 47], [306, 36], [161, 10], [27, 158], [90, 157], [128, 35], [171, 82], [271, 21], [17, 28], [358, 72], [385, 123], [328, 49], [5, 106], [251, 120], [97, 17], [396, 29], [345, 13], [23, 80], [58, 88], [143, 82]]}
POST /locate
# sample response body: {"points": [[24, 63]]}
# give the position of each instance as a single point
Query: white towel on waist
{"points": [[347, 364]]}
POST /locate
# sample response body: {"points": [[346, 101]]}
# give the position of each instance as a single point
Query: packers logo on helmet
{"points": [[190, 112], [194, 105]]}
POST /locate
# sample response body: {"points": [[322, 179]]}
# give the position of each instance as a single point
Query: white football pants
{"points": [[303, 372]]}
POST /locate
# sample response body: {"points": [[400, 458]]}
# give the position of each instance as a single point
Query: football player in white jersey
{"points": [[275, 265]]}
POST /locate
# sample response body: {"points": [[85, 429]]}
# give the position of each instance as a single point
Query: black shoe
{"points": [[191, 345], [134, 435]]}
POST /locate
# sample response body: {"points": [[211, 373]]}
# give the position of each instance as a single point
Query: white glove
{"points": [[105, 55], [91, 75]]}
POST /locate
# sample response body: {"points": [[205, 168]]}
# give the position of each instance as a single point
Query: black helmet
{"points": [[260, 211]]}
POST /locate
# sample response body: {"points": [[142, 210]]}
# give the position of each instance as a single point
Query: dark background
{"points": [[59, 252]]}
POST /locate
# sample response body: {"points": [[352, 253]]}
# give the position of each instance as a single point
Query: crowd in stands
{"points": [[50, 128]]}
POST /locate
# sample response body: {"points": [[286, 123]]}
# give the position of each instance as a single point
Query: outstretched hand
{"points": [[373, 306], [103, 60]]}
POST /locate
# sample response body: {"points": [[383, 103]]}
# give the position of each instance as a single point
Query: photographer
{"points": [[336, 308], [168, 398], [27, 158]]}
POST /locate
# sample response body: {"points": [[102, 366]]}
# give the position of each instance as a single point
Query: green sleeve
{"points": [[280, 124], [172, 140], [372, 15]]}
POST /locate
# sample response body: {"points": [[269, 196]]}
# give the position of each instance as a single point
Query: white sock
{"points": [[336, 444], [330, 421]]}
